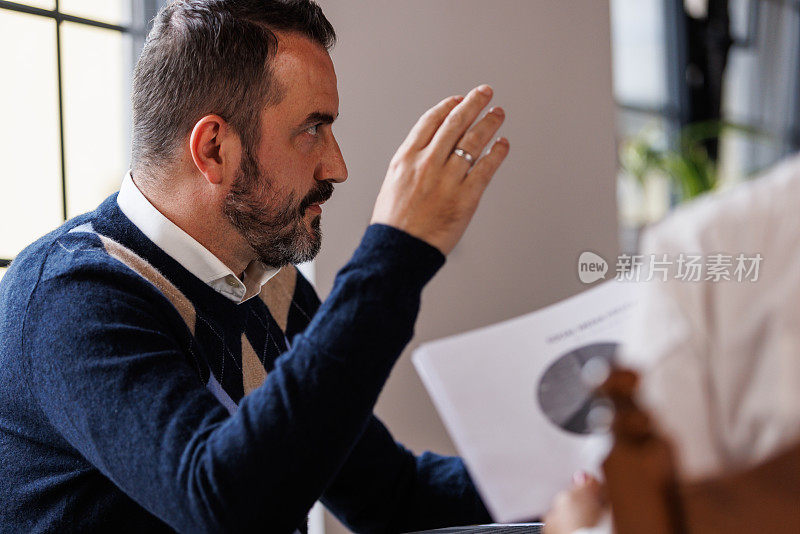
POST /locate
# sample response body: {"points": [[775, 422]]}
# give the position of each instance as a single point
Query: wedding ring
{"points": [[464, 154]]}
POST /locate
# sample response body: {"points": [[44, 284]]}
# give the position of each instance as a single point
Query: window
{"points": [[762, 84], [643, 49], [65, 144], [729, 66]]}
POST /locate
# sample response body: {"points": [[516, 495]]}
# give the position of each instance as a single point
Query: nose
{"points": [[332, 168]]}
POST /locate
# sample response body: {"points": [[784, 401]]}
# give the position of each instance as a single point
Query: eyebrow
{"points": [[317, 117]]}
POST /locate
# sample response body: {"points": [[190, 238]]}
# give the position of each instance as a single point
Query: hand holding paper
{"points": [[515, 401]]}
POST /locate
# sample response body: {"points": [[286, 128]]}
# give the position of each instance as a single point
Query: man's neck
{"points": [[205, 226]]}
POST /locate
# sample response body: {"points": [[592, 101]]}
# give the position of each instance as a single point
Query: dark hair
{"points": [[212, 57]]}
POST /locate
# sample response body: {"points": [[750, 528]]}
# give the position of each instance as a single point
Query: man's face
{"points": [[274, 201]]}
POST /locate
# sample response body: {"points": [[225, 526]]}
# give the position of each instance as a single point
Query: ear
{"points": [[215, 148]]}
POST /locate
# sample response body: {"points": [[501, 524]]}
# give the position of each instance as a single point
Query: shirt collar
{"points": [[184, 249]]}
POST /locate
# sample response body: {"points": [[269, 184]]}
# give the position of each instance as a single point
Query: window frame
{"points": [[675, 112], [142, 13]]}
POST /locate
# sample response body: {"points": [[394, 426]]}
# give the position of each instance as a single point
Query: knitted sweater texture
{"points": [[134, 397]]}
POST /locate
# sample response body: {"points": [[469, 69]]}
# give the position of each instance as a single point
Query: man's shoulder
{"points": [[65, 252], [73, 261], [72, 243]]}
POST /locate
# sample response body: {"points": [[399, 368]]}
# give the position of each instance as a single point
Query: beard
{"points": [[276, 229]]}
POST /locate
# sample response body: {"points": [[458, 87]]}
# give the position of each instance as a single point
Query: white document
{"points": [[514, 397]]}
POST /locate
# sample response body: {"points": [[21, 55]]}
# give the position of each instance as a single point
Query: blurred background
{"points": [[618, 110]]}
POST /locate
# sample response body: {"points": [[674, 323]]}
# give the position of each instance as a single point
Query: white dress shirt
{"points": [[184, 249], [720, 360]]}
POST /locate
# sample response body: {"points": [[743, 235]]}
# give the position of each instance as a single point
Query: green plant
{"points": [[688, 164]]}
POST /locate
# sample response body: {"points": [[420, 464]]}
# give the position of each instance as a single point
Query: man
{"points": [[718, 353], [163, 366]]}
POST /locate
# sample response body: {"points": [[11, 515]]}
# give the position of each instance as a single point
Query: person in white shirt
{"points": [[719, 357]]}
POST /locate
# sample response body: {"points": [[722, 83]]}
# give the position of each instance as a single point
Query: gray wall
{"points": [[549, 62]]}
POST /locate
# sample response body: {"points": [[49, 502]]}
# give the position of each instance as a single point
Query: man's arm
{"points": [[112, 380], [383, 487]]}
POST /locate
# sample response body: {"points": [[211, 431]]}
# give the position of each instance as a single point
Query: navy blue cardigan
{"points": [[110, 350]]}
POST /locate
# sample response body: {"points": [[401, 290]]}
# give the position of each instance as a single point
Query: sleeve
{"points": [[669, 347], [111, 379], [383, 487]]}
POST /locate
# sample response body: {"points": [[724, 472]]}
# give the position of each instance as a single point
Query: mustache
{"points": [[319, 194]]}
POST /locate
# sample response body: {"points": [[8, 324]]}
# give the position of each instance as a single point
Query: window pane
{"points": [[30, 203], [639, 52], [96, 106], [44, 4], [112, 11], [634, 124], [761, 86], [639, 204]]}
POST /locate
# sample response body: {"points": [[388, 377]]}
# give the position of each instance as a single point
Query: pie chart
{"points": [[565, 391]]}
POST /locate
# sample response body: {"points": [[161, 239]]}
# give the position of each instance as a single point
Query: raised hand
{"points": [[437, 176]]}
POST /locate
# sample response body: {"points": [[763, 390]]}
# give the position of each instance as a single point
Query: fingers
{"points": [[582, 478], [422, 132], [481, 174], [586, 486], [474, 141], [457, 122], [579, 507]]}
